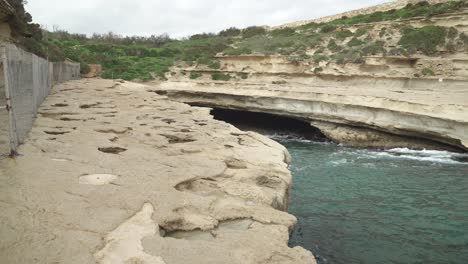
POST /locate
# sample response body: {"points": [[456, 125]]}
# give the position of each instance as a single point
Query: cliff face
{"points": [[383, 101], [385, 105]]}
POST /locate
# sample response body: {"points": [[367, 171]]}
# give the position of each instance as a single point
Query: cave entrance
{"points": [[274, 126]]}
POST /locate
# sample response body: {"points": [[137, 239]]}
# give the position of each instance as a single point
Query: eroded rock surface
{"points": [[352, 108], [112, 173]]}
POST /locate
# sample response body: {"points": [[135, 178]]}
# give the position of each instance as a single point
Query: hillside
{"points": [[418, 41], [388, 6], [413, 32]]}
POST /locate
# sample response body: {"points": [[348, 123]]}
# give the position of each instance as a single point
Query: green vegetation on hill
{"points": [[425, 39], [344, 40], [421, 9]]}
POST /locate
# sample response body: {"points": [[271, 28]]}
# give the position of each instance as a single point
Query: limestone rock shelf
{"points": [[112, 173], [357, 110]]}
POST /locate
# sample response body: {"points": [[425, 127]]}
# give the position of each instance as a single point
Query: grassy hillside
{"points": [[345, 40]]}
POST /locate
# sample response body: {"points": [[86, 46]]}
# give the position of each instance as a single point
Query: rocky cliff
{"points": [[382, 99]]}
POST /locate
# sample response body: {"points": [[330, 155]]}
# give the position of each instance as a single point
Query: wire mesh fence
{"points": [[26, 82]]}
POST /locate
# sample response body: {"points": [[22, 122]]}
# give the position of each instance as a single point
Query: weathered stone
{"points": [[69, 198]]}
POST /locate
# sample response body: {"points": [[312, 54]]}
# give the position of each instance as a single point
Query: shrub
{"points": [[346, 56], [332, 46], [397, 52], [360, 32], [374, 48], [343, 34], [283, 32], [313, 40], [425, 39], [312, 25], [452, 33], [297, 58], [464, 38], [230, 32], [279, 82], [428, 72], [253, 31], [214, 65], [319, 51], [451, 46], [243, 75], [318, 70], [84, 68], [358, 59], [375, 17], [238, 51], [201, 36], [327, 28], [220, 77], [368, 38], [195, 75], [318, 58], [382, 32], [354, 42]]}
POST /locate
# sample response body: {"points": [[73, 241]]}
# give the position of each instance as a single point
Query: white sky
{"points": [[179, 18]]}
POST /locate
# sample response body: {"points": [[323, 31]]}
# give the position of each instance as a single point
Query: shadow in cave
{"points": [[274, 126]]}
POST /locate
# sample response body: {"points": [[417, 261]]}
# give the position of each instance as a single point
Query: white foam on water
{"points": [[435, 156], [336, 163], [288, 138]]}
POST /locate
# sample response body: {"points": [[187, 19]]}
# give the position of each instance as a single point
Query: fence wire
{"points": [[26, 82]]}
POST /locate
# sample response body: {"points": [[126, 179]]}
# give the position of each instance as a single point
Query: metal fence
{"points": [[26, 82], [4, 119]]}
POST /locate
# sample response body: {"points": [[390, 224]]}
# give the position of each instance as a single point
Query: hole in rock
{"points": [[112, 150], [169, 121], [224, 227], [86, 106], [56, 132], [60, 105], [177, 139], [113, 130], [67, 119], [160, 92], [268, 124]]}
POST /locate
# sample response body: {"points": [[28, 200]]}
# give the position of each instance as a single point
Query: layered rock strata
{"points": [[393, 111]]}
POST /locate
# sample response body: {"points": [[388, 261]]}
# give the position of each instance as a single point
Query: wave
{"points": [[436, 156], [288, 138], [433, 156]]}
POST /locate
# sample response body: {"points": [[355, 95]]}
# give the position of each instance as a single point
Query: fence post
{"points": [[11, 114]]}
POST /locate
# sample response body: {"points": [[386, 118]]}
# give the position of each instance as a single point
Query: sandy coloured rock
{"points": [[352, 108], [136, 178]]}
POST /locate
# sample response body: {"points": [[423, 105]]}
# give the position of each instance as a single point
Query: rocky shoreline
{"points": [[356, 111], [112, 173]]}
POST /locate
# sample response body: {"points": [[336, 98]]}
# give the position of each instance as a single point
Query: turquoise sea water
{"points": [[370, 207], [362, 206]]}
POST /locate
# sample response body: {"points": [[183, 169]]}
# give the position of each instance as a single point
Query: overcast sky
{"points": [[179, 18]]}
